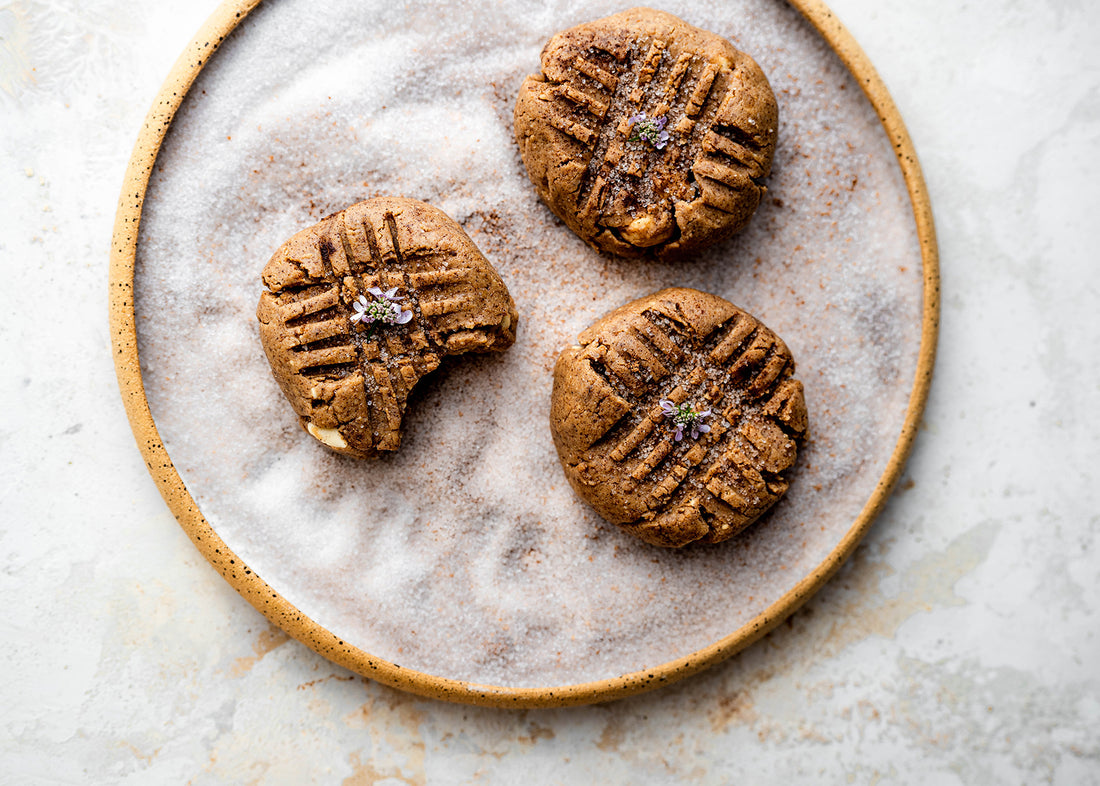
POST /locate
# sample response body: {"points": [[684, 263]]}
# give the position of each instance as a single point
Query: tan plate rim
{"points": [[282, 613]]}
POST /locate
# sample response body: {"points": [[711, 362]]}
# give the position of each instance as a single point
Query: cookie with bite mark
{"points": [[678, 417], [359, 307], [647, 136]]}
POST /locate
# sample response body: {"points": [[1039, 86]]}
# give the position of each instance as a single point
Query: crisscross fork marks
{"points": [[329, 348], [732, 368], [348, 382], [661, 351], [679, 89]]}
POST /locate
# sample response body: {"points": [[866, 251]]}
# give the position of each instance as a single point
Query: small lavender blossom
{"points": [[647, 130], [683, 416], [385, 308]]}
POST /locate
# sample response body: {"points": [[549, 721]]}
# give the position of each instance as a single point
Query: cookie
{"points": [[647, 136], [363, 304], [677, 417]]}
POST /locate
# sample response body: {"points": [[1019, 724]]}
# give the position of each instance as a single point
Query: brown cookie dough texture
{"points": [[626, 197], [349, 382], [618, 447]]}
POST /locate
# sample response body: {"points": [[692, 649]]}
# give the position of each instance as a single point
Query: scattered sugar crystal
{"points": [[467, 555]]}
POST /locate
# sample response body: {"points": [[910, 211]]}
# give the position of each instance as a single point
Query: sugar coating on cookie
{"points": [[363, 304], [646, 135], [677, 417]]}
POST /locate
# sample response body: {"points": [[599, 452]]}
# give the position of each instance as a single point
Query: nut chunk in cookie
{"points": [[647, 136], [677, 417], [362, 305]]}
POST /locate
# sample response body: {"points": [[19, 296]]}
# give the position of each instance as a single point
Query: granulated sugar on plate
{"points": [[466, 555]]}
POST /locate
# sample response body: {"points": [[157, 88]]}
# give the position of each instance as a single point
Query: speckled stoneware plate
{"points": [[464, 567]]}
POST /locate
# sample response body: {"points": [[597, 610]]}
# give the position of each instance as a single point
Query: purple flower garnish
{"points": [[647, 130], [385, 308], [683, 416]]}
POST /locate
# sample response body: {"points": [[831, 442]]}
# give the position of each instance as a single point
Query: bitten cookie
{"points": [[677, 417], [362, 305], [647, 136]]}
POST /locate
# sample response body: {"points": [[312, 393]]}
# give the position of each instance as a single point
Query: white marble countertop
{"points": [[958, 645]]}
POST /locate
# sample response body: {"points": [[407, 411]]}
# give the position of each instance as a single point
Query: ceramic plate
{"points": [[464, 566]]}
